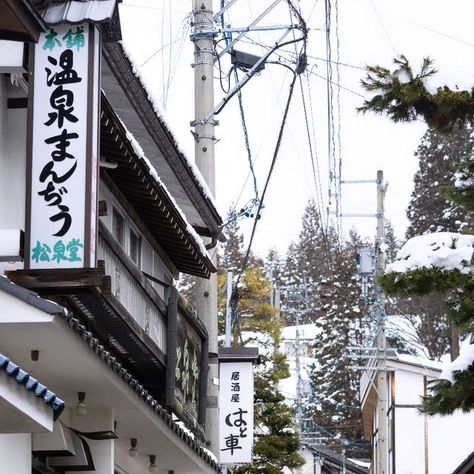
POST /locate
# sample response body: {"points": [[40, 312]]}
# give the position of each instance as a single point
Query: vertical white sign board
{"points": [[235, 412], [63, 149]]}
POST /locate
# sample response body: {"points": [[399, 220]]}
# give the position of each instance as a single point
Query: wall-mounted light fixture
{"points": [[153, 468], [133, 451], [81, 408]]}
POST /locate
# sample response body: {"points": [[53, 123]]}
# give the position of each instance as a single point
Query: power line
{"points": [[432, 30], [299, 70], [383, 26], [338, 85]]}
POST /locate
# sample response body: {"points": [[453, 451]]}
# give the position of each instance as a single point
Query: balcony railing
{"points": [[132, 289]]}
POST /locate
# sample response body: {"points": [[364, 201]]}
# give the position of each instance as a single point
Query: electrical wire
{"points": [[329, 109], [234, 297], [228, 39], [338, 85], [339, 120], [383, 27], [317, 182]]}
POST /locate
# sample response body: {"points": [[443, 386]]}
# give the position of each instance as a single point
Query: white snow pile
{"points": [[306, 332], [465, 359], [443, 250]]}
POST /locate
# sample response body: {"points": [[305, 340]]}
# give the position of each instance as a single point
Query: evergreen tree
{"points": [[405, 100], [233, 255], [335, 408], [308, 262], [274, 265], [276, 442], [439, 155], [392, 244]]}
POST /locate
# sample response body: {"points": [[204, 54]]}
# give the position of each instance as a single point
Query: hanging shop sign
{"points": [[235, 412], [186, 363], [63, 149], [188, 368]]}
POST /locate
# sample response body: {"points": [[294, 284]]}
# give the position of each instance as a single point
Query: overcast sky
{"points": [[368, 32]]}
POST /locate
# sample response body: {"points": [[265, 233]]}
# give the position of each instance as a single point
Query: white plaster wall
{"points": [[12, 162], [450, 441], [409, 388], [15, 453], [12, 165], [409, 441], [97, 419], [127, 464], [14, 170]]}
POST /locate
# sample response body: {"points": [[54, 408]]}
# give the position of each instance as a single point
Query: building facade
{"points": [[417, 443], [100, 212]]}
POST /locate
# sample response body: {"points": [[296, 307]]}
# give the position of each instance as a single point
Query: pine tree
{"points": [[392, 244], [276, 442], [308, 262], [335, 408], [406, 100], [279, 444], [233, 255], [274, 267], [439, 155]]}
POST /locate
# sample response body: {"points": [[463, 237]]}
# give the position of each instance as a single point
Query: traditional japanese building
{"points": [[416, 442], [100, 212]]}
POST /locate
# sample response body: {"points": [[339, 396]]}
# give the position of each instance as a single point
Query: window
{"points": [[135, 248], [118, 226]]}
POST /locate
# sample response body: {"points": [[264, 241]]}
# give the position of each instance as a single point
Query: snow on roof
{"points": [[443, 250], [141, 155], [465, 359], [78, 12], [360, 462], [159, 112], [306, 332], [420, 361]]}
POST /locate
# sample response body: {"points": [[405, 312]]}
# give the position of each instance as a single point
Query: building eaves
{"points": [[74, 12], [338, 460], [20, 21], [467, 466], [110, 361], [30, 297], [32, 385], [138, 180], [185, 173]]}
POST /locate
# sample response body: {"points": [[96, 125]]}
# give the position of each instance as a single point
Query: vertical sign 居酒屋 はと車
{"points": [[235, 412]]}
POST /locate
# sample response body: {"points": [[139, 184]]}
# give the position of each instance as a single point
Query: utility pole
{"points": [[299, 408], [204, 125], [382, 402], [379, 352], [301, 294]]}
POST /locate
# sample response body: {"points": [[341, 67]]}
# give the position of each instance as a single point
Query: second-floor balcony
{"points": [[145, 333]]}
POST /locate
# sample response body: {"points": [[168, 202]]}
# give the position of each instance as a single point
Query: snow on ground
{"points": [[443, 250]]}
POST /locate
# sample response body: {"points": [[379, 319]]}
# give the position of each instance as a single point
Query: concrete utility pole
{"points": [[382, 403], [204, 125]]}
